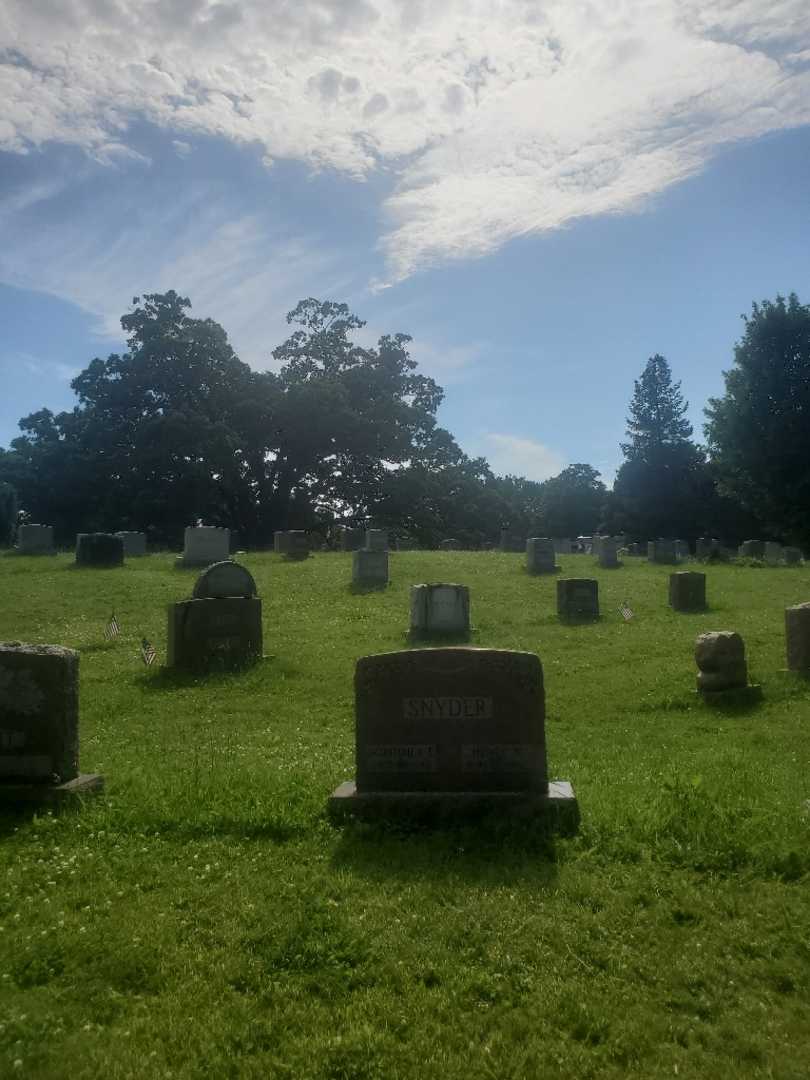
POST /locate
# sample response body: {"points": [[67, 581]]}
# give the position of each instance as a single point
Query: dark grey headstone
{"points": [[224, 579], [797, 637], [687, 591], [578, 598], [540, 556], [206, 635], [102, 550], [369, 567]]}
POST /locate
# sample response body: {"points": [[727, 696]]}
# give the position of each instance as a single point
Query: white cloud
{"points": [[511, 454], [497, 117]]}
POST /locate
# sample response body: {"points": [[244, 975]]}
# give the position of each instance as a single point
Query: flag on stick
{"points": [[148, 654], [625, 611], [112, 629]]}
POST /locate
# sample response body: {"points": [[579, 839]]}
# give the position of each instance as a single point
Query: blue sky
{"points": [[541, 194]]}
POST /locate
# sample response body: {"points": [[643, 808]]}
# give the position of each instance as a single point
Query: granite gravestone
{"points": [[39, 724], [540, 556], [204, 545], [280, 542], [687, 591], [720, 657], [510, 542], [297, 545], [578, 598], [221, 626], [662, 551], [35, 540], [134, 543], [452, 729], [351, 539], [797, 637], [752, 549], [440, 609], [608, 553], [370, 568], [103, 550]]}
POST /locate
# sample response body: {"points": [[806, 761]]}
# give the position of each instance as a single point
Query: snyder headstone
{"points": [[134, 543], [452, 729], [578, 598], [204, 545], [35, 540], [376, 540], [370, 567], [662, 551], [221, 626], [797, 637], [720, 657], [540, 556], [39, 723], [687, 591], [102, 550], [440, 609]]}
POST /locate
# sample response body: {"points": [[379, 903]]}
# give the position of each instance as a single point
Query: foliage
{"points": [[8, 513], [758, 431], [571, 504]]}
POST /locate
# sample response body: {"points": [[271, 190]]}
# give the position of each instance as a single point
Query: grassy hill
{"points": [[203, 918]]}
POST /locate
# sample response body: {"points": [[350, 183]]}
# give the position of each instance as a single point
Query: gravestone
{"points": [[204, 545], [221, 626], [578, 598], [562, 545], [792, 556], [450, 545], [752, 549], [705, 547], [369, 567], [608, 553], [687, 591], [376, 540], [585, 545], [452, 731], [797, 637], [39, 724], [440, 609], [773, 552], [35, 540], [540, 556], [280, 542], [134, 543], [662, 551], [103, 550], [510, 542], [720, 657], [352, 539], [635, 549], [296, 545]]}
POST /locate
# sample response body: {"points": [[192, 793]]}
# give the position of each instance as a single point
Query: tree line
{"points": [[177, 429]]}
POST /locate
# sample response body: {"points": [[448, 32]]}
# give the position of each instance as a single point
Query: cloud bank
{"points": [[496, 118]]}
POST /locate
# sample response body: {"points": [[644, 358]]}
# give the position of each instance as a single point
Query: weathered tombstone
{"points": [[578, 598], [752, 549], [452, 731], [369, 567], [134, 543], [280, 542], [662, 551], [35, 540], [792, 556], [608, 553], [39, 724], [687, 591], [204, 545], [450, 545], [440, 609], [706, 547], [797, 637], [103, 550], [634, 549], [773, 552], [221, 627], [510, 542], [376, 540], [540, 556], [297, 545], [351, 539], [720, 657], [562, 545]]}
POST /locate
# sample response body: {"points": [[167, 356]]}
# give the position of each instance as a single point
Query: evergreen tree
{"points": [[657, 417]]}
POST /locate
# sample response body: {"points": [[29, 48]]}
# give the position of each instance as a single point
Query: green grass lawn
{"points": [[203, 918]]}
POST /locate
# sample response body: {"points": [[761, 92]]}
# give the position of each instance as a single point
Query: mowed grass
{"points": [[203, 918]]}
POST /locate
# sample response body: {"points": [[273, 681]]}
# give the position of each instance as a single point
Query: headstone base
{"points": [[557, 807], [83, 784], [182, 563]]}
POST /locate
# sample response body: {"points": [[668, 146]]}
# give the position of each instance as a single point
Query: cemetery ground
{"points": [[203, 918]]}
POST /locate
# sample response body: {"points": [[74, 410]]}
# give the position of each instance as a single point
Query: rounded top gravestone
{"points": [[222, 580]]}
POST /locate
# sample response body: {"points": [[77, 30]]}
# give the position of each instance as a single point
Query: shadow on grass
{"points": [[166, 679], [490, 851], [361, 588], [415, 639], [745, 699], [97, 647]]}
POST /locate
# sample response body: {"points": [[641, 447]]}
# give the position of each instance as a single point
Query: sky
{"points": [[542, 194]]}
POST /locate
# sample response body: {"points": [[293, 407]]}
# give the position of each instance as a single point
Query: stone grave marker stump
{"points": [[452, 731], [687, 591], [720, 657], [39, 724]]}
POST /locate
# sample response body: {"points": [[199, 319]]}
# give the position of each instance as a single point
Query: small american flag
{"points": [[626, 611], [148, 654], [112, 629]]}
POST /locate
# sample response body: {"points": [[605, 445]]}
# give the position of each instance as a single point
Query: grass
{"points": [[203, 919]]}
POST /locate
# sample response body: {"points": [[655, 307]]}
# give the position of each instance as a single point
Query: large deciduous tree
{"points": [[759, 431]]}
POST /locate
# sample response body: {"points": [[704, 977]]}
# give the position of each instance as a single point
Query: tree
{"points": [[657, 417], [8, 513], [572, 502], [759, 432]]}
